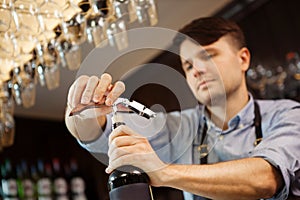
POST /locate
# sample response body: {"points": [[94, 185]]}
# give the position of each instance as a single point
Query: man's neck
{"points": [[220, 115]]}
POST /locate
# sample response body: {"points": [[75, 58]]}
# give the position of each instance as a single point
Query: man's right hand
{"points": [[87, 89]]}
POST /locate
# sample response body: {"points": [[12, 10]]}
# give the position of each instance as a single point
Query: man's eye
{"points": [[207, 56], [189, 67]]}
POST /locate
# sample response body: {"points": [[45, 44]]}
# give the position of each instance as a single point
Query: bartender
{"points": [[230, 146]]}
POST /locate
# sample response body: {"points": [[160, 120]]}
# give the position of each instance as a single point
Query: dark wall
{"points": [[272, 29]]}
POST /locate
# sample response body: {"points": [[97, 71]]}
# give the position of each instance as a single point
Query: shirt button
{"points": [[221, 137]]}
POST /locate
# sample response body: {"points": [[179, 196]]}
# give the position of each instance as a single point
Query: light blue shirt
{"points": [[175, 138]]}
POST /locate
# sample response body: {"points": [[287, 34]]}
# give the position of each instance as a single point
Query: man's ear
{"points": [[244, 55]]}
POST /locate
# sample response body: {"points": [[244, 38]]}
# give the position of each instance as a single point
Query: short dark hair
{"points": [[208, 30]]}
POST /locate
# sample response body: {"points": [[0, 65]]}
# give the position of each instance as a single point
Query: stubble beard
{"points": [[210, 97]]}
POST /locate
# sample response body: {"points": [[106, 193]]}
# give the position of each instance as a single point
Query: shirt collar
{"points": [[243, 118], [246, 115]]}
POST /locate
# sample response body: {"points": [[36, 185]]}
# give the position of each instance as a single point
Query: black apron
{"points": [[258, 134]]}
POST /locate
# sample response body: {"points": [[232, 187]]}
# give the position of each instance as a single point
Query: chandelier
{"points": [[37, 37]]}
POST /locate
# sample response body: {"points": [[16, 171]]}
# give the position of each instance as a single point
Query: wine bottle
{"points": [[77, 182], [44, 183], [19, 179], [128, 182], [34, 177], [27, 183], [9, 181], [60, 186]]}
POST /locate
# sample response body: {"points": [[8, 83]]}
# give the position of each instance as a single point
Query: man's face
{"points": [[215, 71]]}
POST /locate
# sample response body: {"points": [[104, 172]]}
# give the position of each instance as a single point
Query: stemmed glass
{"points": [[6, 96], [116, 33], [6, 16], [146, 12], [8, 44], [126, 10], [48, 66], [50, 20], [15, 72], [75, 23], [74, 36], [7, 123], [50, 16], [24, 85], [95, 12], [25, 17], [27, 30], [107, 26]]}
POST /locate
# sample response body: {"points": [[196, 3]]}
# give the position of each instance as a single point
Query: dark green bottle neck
{"points": [[126, 175]]}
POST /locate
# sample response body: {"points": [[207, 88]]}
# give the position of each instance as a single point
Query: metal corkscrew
{"points": [[120, 105], [132, 106]]}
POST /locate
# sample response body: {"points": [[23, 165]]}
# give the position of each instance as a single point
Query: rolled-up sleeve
{"points": [[171, 135], [281, 148], [100, 144]]}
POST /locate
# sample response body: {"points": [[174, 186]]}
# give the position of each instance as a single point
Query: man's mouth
{"points": [[202, 84]]}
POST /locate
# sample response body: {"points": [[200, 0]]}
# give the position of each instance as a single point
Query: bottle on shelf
{"points": [[19, 179], [27, 183], [34, 177], [9, 181], [44, 182], [60, 185], [77, 182]]}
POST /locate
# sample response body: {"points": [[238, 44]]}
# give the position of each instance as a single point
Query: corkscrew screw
{"points": [[120, 105]]}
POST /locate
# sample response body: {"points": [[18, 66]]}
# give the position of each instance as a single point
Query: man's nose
{"points": [[198, 68]]}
